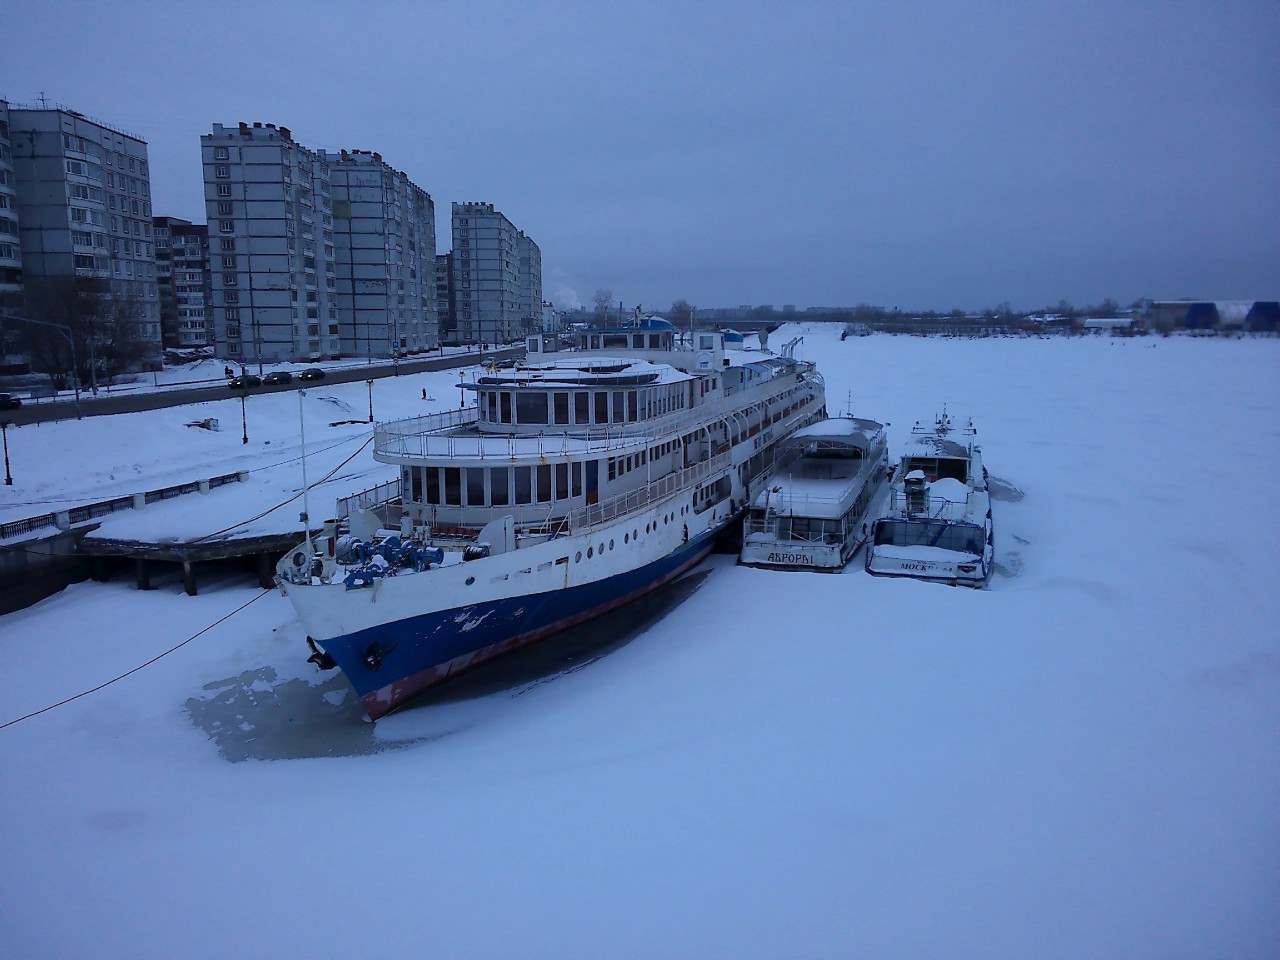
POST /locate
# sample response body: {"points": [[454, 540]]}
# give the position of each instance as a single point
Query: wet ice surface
{"points": [[257, 715]]}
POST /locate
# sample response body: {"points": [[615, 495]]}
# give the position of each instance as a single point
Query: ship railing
{"points": [[377, 496], [428, 436], [935, 508], [584, 518]]}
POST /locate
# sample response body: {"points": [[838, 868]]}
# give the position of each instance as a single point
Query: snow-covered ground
{"points": [[1078, 762], [58, 465]]}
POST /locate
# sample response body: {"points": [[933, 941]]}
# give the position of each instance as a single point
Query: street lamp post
{"points": [[8, 477], [370, 383], [244, 422]]}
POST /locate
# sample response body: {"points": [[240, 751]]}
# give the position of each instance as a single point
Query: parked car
{"points": [[280, 376], [244, 382], [311, 373], [9, 402]]}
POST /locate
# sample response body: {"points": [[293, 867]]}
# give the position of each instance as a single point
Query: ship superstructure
{"points": [[576, 482]]}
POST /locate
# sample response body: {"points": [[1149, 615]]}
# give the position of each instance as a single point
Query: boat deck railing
{"points": [[431, 436], [935, 507], [584, 518]]}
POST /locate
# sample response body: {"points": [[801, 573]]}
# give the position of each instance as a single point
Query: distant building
{"points": [[486, 275], [1251, 315], [271, 239], [530, 283], [552, 319], [384, 254], [10, 251], [183, 281], [788, 308], [444, 298], [83, 210]]}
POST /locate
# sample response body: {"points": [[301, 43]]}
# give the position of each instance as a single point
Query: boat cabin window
{"points": [[544, 482], [963, 537], [531, 406], [619, 406], [560, 401], [506, 407], [453, 486], [615, 340], [602, 406], [637, 341], [475, 487], [937, 468], [492, 397], [524, 484], [499, 486], [433, 485]]}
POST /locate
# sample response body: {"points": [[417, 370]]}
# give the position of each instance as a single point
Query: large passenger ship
{"points": [[577, 481]]}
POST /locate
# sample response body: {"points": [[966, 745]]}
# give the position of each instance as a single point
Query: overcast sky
{"points": [[914, 154]]}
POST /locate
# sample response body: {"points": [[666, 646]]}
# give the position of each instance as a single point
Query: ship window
{"points": [[626, 538], [581, 407], [562, 481], [475, 487], [416, 497], [590, 550], [524, 480], [433, 485], [506, 407], [577, 479], [544, 482], [493, 405], [499, 494], [531, 406], [577, 557], [615, 340], [618, 406], [655, 342], [632, 406], [602, 406], [453, 486], [561, 407], [613, 469]]}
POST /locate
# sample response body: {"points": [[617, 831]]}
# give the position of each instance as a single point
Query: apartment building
{"points": [[530, 283], [444, 298], [384, 243], [486, 275], [83, 200], [271, 249], [183, 281], [10, 244]]}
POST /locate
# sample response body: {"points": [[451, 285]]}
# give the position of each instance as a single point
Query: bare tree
{"points": [[602, 301], [681, 314], [105, 326]]}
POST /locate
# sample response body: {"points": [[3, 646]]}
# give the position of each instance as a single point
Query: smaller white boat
{"points": [[812, 512], [938, 525]]}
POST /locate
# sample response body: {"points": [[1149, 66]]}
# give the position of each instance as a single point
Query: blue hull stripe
{"points": [[417, 652]]}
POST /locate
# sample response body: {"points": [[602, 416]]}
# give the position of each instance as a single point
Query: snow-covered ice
{"points": [[1077, 762]]}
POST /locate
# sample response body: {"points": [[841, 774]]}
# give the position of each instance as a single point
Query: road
{"points": [[154, 400]]}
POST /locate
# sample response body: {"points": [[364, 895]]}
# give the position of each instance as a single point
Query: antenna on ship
{"points": [[848, 404]]}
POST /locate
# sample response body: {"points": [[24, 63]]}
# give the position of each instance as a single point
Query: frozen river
{"points": [[1079, 761]]}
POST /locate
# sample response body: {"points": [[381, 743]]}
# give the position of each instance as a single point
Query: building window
{"points": [[227, 243], [219, 153], [226, 226], [224, 189]]}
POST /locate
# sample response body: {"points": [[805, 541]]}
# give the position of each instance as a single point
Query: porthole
{"points": [[600, 549], [578, 557], [611, 543], [470, 581], [626, 538], [588, 553], [635, 534]]}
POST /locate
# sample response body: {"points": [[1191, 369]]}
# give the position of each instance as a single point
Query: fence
{"points": [[92, 511]]}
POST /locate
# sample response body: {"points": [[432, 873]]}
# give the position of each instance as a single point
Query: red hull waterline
{"points": [[386, 699]]}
